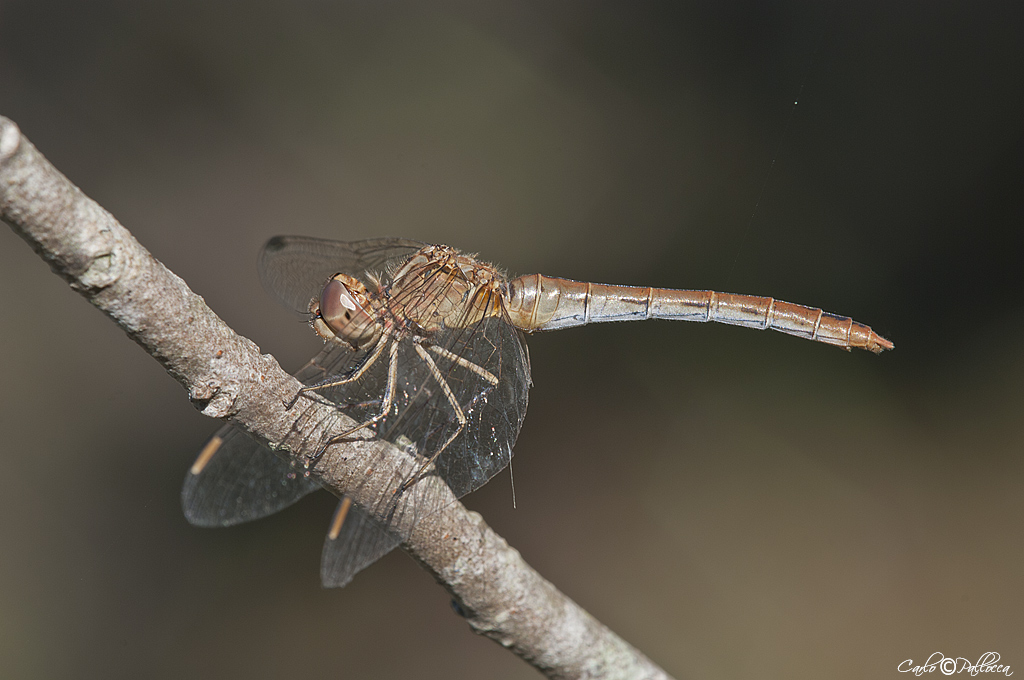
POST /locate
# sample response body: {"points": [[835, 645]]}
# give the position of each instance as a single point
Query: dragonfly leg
{"points": [[386, 402], [468, 365], [459, 414], [352, 377]]}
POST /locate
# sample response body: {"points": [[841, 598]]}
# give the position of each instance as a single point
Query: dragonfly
{"points": [[424, 347]]}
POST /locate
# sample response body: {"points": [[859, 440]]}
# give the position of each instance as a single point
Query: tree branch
{"points": [[226, 377]]}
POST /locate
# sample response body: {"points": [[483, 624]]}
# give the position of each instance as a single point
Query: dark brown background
{"points": [[736, 504]]}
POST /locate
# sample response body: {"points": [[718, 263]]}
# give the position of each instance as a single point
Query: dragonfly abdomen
{"points": [[538, 302]]}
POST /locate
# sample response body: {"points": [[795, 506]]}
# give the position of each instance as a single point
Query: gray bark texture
{"points": [[226, 377]]}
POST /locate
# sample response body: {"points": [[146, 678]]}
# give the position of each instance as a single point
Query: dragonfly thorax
{"points": [[343, 315], [439, 287]]}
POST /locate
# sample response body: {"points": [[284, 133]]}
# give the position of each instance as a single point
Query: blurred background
{"points": [[736, 504]]}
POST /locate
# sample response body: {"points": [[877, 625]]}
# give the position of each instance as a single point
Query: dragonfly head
{"points": [[342, 313]]}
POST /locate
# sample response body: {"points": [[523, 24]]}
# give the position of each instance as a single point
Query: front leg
{"points": [[354, 376], [386, 402]]}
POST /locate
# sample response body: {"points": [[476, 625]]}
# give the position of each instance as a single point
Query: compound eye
{"points": [[345, 313]]}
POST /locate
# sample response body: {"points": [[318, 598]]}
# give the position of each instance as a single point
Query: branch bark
{"points": [[226, 377]]}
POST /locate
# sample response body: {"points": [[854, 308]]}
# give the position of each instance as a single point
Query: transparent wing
{"points": [[482, 366], [243, 480], [479, 370], [494, 412], [294, 268], [361, 542], [424, 417]]}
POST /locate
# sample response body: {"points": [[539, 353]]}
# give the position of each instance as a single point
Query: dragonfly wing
{"points": [[361, 542], [422, 417], [242, 481], [459, 399], [294, 268], [494, 412]]}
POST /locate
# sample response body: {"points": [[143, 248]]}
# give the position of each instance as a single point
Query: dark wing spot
{"points": [[274, 244]]}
